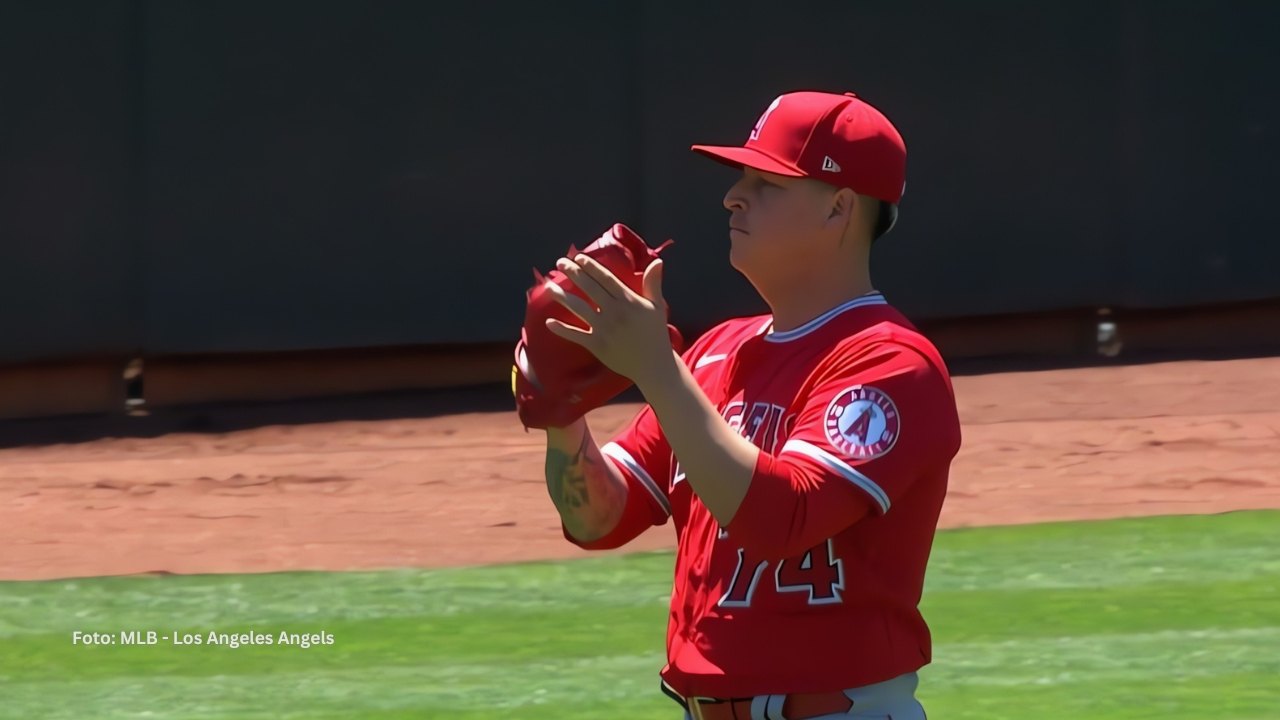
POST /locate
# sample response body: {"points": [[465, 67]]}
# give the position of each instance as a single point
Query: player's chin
{"points": [[740, 256]]}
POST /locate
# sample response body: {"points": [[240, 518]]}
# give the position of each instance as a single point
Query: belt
{"points": [[796, 706]]}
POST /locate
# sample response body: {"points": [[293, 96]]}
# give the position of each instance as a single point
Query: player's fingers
{"points": [[588, 284], [603, 277], [569, 332], [573, 303], [653, 283]]}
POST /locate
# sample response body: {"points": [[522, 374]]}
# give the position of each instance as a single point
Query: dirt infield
{"points": [[464, 489]]}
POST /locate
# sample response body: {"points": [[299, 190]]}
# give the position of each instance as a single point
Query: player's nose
{"points": [[733, 200]]}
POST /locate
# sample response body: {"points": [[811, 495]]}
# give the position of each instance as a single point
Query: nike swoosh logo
{"points": [[708, 359]]}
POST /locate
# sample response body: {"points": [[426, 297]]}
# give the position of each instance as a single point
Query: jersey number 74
{"points": [[818, 572]]}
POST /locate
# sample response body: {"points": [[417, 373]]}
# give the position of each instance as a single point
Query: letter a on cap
{"points": [[755, 132], [830, 165]]}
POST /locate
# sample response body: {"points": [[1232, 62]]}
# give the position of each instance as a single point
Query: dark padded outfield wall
{"points": [[68, 152], [1060, 154], [196, 177], [1202, 153], [338, 174]]}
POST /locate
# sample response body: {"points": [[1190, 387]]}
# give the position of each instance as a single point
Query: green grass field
{"points": [[1162, 618]]}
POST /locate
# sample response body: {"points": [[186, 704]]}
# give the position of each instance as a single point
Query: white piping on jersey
{"points": [[768, 707], [868, 485], [615, 452], [872, 298], [708, 359]]}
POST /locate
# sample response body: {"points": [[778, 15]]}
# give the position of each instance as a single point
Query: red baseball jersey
{"points": [[815, 584]]}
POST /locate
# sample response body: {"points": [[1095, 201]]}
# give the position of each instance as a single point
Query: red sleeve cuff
{"points": [[787, 510], [768, 503]]}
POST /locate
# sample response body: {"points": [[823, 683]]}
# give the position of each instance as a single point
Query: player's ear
{"points": [[841, 205]]}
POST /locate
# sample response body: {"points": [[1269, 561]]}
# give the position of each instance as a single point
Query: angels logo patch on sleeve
{"points": [[862, 422]]}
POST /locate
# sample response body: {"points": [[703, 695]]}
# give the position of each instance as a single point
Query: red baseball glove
{"points": [[555, 381]]}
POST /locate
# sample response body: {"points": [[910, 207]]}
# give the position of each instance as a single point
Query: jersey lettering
{"points": [[764, 425], [733, 415]]}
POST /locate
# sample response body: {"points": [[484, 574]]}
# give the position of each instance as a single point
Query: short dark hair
{"points": [[886, 215]]}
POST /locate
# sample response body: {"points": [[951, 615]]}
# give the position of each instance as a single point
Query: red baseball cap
{"points": [[838, 139]]}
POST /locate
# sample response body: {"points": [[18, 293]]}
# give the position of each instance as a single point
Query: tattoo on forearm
{"points": [[575, 492], [567, 475]]}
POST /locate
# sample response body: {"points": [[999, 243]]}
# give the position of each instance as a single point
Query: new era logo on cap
{"points": [[830, 165]]}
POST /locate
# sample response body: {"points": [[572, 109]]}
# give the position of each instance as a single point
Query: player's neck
{"points": [[803, 301]]}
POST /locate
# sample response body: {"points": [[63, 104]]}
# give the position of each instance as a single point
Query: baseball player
{"points": [[803, 455]]}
